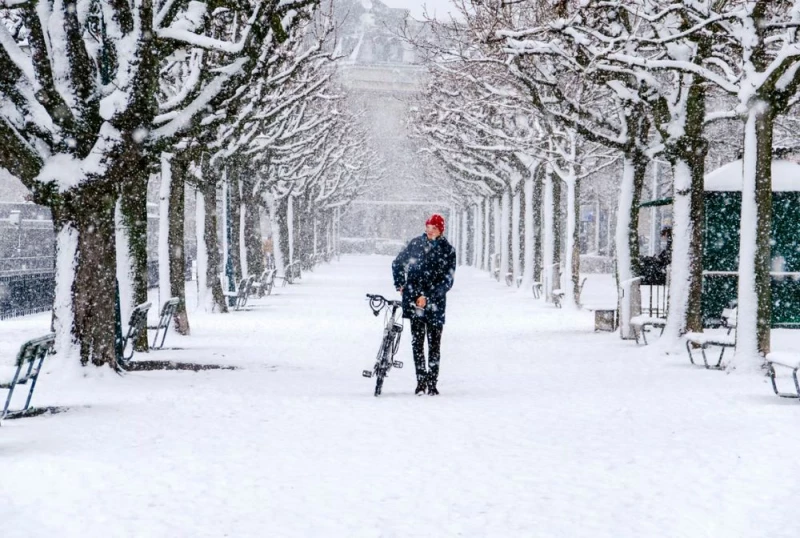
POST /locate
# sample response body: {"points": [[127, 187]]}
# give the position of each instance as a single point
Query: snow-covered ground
{"points": [[543, 428]]}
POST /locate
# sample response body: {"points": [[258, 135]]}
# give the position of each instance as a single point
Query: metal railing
{"points": [[25, 294], [26, 265]]}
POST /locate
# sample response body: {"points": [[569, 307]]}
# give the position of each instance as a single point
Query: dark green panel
{"points": [[718, 292], [721, 253], [785, 301], [786, 229], [723, 211]]}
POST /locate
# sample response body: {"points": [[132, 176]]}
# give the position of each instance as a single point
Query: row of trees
{"points": [[532, 95], [236, 97]]}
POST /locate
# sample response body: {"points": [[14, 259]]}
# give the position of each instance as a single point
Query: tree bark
{"points": [[754, 294], [536, 207], [133, 205], [253, 240], [548, 240], [557, 232], [574, 199], [212, 245], [234, 207], [94, 287], [487, 239], [177, 251], [516, 230]]}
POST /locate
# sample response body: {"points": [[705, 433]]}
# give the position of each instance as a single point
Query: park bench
{"points": [[263, 286], [167, 311], [136, 325], [240, 294], [789, 361], [306, 263], [494, 263], [558, 294], [642, 323], [29, 360], [292, 273], [705, 340], [537, 290], [295, 270]]}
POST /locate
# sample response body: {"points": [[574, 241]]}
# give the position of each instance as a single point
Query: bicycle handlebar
{"points": [[377, 302]]}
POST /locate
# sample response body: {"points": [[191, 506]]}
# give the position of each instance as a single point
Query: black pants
{"points": [[419, 327]]}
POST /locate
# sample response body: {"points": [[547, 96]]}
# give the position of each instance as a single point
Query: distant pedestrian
{"points": [[654, 268], [423, 272]]}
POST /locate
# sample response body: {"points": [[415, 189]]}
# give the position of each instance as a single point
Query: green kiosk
{"points": [[723, 199]]}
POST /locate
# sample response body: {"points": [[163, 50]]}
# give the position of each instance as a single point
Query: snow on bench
{"points": [[558, 296], [706, 339], [722, 341], [641, 322], [788, 360]]}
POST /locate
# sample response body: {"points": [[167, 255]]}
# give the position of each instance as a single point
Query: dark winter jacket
{"points": [[425, 268]]}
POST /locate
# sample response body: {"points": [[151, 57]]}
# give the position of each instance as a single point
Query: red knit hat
{"points": [[436, 220]]}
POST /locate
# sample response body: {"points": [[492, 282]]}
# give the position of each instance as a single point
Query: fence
{"points": [[23, 294]]}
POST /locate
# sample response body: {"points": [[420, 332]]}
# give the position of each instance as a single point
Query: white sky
{"points": [[438, 7]]}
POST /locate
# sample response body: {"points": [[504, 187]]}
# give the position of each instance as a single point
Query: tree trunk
{"points": [[557, 234], [627, 235], [697, 212], [212, 246], [176, 247], [515, 237], [505, 230], [754, 297], [278, 241], [548, 248], [253, 239], [234, 221], [686, 267], [536, 206], [573, 250], [164, 222], [133, 208], [487, 251], [94, 287], [496, 233], [204, 299], [465, 236], [530, 249], [290, 228]]}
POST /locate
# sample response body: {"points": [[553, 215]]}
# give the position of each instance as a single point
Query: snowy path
{"points": [[543, 428]]}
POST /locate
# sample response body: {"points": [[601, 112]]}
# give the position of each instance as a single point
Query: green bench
{"points": [[789, 361], [28, 366], [722, 341]]}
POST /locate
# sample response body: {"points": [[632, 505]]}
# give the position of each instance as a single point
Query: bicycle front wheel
{"points": [[383, 364]]}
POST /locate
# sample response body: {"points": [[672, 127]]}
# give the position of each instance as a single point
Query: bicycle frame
{"points": [[390, 342]]}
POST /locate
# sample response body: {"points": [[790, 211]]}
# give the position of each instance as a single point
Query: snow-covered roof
{"points": [[785, 177]]}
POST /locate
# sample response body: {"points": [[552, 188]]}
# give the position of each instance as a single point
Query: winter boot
{"points": [[432, 387], [421, 386]]}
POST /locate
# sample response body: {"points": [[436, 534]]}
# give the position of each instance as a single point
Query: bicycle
{"points": [[393, 328]]}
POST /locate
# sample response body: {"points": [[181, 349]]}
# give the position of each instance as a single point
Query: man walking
{"points": [[423, 272]]}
